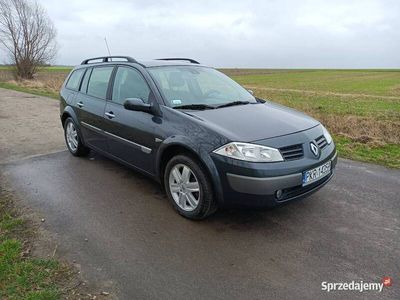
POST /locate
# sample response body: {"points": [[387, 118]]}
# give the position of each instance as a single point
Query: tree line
{"points": [[27, 35]]}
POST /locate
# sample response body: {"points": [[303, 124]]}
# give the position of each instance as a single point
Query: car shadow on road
{"points": [[238, 218]]}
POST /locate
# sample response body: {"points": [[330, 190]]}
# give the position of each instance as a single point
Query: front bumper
{"points": [[261, 191], [290, 185], [256, 184]]}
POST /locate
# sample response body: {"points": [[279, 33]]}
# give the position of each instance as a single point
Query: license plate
{"points": [[317, 173]]}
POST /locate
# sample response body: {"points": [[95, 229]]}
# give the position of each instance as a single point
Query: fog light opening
{"points": [[278, 194]]}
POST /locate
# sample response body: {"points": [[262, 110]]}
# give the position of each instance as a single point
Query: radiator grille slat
{"points": [[321, 142], [292, 152], [296, 151]]}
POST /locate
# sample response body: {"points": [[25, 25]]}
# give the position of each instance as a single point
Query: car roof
{"points": [[159, 63], [142, 62]]}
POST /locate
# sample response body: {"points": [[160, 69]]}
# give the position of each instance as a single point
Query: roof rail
{"points": [[180, 58], [108, 59]]}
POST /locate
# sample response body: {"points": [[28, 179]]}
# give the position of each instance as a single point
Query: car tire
{"points": [[73, 139], [183, 195]]}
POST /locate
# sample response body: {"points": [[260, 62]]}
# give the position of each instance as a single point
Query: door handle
{"points": [[110, 114], [80, 104]]}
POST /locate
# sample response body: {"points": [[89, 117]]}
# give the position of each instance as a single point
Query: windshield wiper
{"points": [[194, 106], [233, 104]]}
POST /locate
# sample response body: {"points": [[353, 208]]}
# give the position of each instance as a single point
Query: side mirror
{"points": [[251, 92], [137, 105]]}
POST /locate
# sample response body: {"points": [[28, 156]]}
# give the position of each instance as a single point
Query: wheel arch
{"points": [[69, 112], [170, 149]]}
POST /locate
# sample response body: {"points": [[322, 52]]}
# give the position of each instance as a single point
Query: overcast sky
{"points": [[246, 33]]}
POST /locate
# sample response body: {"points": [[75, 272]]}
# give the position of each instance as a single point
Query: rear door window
{"points": [[98, 82], [75, 79]]}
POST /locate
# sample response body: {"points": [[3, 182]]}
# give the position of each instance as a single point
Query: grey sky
{"points": [[247, 33]]}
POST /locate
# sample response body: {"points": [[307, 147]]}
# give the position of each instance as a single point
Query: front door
{"points": [[130, 134]]}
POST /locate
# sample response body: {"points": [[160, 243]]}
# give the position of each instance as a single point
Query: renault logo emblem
{"points": [[314, 149]]}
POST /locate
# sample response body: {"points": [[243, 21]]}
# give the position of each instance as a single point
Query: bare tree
{"points": [[27, 34]]}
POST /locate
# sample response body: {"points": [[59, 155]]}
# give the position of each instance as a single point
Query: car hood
{"points": [[252, 122]]}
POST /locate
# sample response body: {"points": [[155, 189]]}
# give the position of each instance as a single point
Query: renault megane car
{"points": [[205, 138]]}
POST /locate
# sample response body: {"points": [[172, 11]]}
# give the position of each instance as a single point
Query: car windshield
{"points": [[198, 86]]}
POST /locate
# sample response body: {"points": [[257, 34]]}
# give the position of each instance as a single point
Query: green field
{"points": [[360, 107], [372, 82], [44, 69]]}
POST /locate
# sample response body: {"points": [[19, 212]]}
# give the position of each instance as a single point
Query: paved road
{"points": [[347, 231], [138, 244]]}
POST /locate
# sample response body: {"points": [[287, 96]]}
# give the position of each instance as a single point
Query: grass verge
{"points": [[29, 277], [22, 276], [26, 278], [30, 90], [388, 154]]}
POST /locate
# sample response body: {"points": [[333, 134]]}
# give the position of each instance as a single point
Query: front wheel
{"points": [[188, 188], [72, 139]]}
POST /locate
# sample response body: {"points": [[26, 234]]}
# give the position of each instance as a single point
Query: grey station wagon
{"points": [[208, 140]]}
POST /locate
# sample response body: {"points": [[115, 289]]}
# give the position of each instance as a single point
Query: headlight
{"points": [[250, 152], [327, 135]]}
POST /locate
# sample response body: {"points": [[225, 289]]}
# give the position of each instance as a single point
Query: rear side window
{"points": [[129, 83], [75, 79], [85, 80], [98, 82]]}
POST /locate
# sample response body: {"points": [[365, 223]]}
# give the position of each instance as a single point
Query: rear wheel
{"points": [[188, 188], [73, 140]]}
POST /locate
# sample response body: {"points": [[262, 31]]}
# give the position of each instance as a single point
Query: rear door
{"points": [[91, 102], [131, 133]]}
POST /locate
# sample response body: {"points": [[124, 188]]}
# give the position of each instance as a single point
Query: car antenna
{"points": [[108, 49]]}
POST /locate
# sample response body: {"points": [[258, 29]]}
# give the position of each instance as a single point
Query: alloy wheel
{"points": [[184, 187], [72, 137]]}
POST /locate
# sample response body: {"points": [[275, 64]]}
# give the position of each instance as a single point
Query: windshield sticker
{"points": [[176, 102]]}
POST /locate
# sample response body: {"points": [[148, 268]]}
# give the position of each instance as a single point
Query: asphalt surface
{"points": [[120, 228]]}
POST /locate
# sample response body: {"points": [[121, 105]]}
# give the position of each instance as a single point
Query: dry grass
{"points": [[49, 83], [52, 82], [48, 80], [361, 129], [6, 75], [46, 83]]}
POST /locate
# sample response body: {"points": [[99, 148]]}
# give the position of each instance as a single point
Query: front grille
{"points": [[292, 152], [321, 142]]}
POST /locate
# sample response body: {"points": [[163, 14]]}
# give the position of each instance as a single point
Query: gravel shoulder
{"points": [[30, 125]]}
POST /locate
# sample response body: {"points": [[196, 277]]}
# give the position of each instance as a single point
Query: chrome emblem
{"points": [[314, 149]]}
